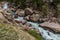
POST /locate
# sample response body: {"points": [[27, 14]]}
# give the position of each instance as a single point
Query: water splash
{"points": [[5, 5]]}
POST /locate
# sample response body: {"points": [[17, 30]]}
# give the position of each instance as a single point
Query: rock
{"points": [[8, 16], [7, 12], [28, 24], [16, 16], [28, 11], [25, 27], [17, 21], [36, 12], [20, 13], [24, 22], [51, 25], [34, 17], [43, 19], [27, 17]]}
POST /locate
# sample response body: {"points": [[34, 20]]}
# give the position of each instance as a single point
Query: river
{"points": [[47, 35]]}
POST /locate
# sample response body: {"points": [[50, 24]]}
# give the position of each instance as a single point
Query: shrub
{"points": [[35, 34]]}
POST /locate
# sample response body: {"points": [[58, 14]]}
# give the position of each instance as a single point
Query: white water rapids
{"points": [[47, 35]]}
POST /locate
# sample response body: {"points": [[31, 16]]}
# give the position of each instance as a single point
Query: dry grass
{"points": [[11, 32]]}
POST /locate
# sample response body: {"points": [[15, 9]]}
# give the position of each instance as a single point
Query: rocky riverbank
{"points": [[30, 19], [27, 14]]}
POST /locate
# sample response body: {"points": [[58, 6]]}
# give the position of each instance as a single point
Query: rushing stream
{"points": [[47, 35]]}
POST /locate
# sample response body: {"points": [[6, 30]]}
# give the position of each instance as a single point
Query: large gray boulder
{"points": [[51, 25]]}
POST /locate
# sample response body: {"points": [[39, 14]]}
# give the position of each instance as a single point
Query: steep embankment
{"points": [[9, 31]]}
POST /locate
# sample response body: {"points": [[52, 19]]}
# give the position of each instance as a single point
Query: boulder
{"points": [[28, 24], [27, 17], [24, 22], [7, 12], [20, 12], [28, 11], [51, 25], [34, 17], [18, 20], [36, 12], [25, 27], [43, 19]]}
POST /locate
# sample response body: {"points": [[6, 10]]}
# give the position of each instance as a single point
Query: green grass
{"points": [[7, 32], [35, 34]]}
